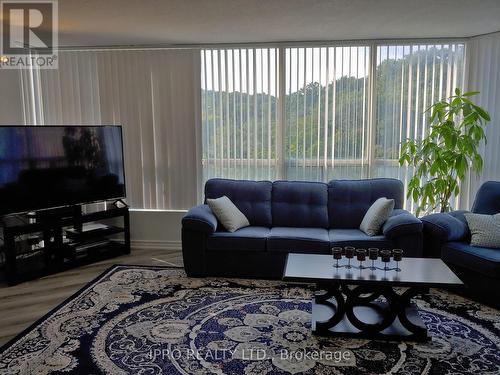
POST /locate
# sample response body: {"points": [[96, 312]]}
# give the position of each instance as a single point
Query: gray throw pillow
{"points": [[228, 214], [484, 230], [376, 216]]}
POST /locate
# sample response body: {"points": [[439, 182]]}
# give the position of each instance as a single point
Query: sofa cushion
{"points": [[484, 260], [357, 238], [299, 240], [484, 229], [300, 204], [349, 200], [376, 216], [253, 198], [244, 239], [227, 213]]}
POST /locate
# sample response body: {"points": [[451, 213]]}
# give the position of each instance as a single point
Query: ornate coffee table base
{"points": [[359, 312]]}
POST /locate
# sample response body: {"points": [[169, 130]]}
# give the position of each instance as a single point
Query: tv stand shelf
{"points": [[57, 242], [77, 235]]}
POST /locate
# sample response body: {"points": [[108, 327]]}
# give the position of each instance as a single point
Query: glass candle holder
{"points": [[349, 254], [361, 256], [373, 255], [398, 256], [386, 258], [337, 255]]}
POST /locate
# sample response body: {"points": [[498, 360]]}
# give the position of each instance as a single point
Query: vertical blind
{"points": [[484, 76], [151, 93], [240, 113], [325, 112], [409, 79]]}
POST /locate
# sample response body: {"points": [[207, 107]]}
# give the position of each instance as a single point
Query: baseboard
{"points": [[155, 245]]}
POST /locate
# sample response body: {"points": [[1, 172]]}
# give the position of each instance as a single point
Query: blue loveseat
{"points": [[447, 235], [285, 216]]}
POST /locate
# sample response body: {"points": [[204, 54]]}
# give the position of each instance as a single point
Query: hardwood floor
{"points": [[21, 305]]}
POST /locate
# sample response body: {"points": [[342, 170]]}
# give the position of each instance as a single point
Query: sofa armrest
{"points": [[446, 227], [401, 223], [200, 219]]}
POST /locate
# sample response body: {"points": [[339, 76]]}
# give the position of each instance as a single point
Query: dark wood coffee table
{"points": [[367, 303]]}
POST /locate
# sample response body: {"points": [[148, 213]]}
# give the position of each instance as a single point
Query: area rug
{"points": [[152, 320]]}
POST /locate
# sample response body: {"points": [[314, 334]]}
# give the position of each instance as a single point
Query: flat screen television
{"points": [[45, 167]]}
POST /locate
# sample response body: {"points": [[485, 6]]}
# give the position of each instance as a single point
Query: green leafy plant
{"points": [[442, 159]]}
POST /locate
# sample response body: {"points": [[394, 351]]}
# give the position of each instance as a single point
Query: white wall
{"points": [[153, 229]]}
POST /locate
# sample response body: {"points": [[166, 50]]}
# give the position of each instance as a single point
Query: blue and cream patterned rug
{"points": [[151, 320]]}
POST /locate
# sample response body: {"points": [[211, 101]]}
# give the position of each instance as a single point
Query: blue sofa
{"points": [[285, 216], [447, 235]]}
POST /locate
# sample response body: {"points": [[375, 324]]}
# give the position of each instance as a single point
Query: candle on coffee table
{"points": [[349, 253], [337, 254], [373, 255], [361, 256], [398, 256], [386, 257]]}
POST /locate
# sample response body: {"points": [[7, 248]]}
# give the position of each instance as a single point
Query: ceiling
{"points": [[151, 22]]}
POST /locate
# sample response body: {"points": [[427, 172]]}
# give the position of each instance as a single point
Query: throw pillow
{"points": [[376, 216], [228, 214], [484, 229]]}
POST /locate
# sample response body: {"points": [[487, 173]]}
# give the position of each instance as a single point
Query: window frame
{"points": [[371, 120]]}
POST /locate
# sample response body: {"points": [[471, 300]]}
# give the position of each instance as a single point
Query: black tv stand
{"points": [[50, 241], [54, 213]]}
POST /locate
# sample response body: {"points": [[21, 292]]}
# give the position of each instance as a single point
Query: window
{"points": [[338, 111], [240, 113], [326, 112], [409, 79]]}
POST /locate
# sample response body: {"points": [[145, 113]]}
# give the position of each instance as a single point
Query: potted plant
{"points": [[442, 159]]}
